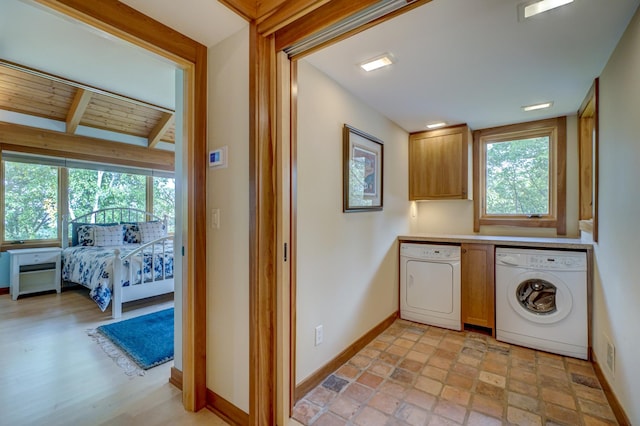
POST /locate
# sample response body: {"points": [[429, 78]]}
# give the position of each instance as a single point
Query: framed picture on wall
{"points": [[362, 171]]}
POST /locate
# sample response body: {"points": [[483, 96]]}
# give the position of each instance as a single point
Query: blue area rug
{"points": [[147, 340]]}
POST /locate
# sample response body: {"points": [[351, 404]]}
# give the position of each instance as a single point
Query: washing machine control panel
{"points": [[557, 262], [542, 260]]}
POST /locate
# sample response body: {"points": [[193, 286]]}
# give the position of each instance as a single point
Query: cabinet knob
{"points": [[464, 251]]}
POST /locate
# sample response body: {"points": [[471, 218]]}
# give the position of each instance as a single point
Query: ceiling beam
{"points": [[20, 138], [161, 128], [78, 107]]}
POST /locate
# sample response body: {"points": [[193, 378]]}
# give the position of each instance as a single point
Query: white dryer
{"points": [[430, 284], [541, 300]]}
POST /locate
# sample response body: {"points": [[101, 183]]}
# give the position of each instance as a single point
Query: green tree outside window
{"points": [[31, 197], [517, 177], [164, 200], [30, 202], [91, 190]]}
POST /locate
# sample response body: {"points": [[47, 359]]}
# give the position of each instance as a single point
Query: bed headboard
{"points": [[110, 215]]}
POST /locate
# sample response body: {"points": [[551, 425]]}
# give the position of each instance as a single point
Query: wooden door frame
{"points": [[130, 25], [283, 37], [127, 23]]}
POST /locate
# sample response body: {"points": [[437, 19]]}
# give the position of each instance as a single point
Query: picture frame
{"points": [[363, 161]]}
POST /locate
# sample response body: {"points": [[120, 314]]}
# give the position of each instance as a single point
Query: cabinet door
{"points": [[438, 162], [478, 289]]}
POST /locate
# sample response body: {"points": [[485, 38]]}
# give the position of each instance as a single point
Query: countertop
{"points": [[536, 242]]}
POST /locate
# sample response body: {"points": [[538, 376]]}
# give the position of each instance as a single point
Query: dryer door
{"points": [[540, 297], [430, 286]]}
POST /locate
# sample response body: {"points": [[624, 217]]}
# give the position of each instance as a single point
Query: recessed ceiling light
{"points": [[542, 6], [436, 125], [537, 106], [377, 62]]}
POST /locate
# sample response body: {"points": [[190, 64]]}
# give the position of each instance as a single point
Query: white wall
{"points": [[347, 262], [228, 246], [617, 280], [456, 216]]}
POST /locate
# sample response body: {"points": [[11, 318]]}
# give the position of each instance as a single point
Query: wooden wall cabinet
{"points": [[439, 164], [478, 285]]}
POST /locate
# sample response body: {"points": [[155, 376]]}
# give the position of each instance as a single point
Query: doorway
{"points": [[129, 25]]}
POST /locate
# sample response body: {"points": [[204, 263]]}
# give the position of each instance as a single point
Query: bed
{"points": [[120, 254]]}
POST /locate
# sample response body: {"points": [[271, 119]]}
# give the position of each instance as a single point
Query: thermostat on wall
{"points": [[218, 158]]}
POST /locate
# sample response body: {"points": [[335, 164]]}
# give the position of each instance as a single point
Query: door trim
{"points": [[128, 24]]}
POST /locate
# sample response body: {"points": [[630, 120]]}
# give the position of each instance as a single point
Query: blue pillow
{"points": [[131, 233]]}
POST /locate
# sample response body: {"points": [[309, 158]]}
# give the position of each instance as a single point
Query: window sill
{"points": [[523, 223], [31, 244]]}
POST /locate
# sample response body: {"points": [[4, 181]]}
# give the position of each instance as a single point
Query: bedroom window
{"points": [[164, 199], [520, 175], [90, 190], [31, 200], [38, 190]]}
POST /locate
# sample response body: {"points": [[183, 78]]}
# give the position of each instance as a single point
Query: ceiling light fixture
{"points": [[377, 62], [436, 125], [542, 6], [537, 106]]}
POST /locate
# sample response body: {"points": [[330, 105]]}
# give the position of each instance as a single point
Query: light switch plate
{"points": [[215, 218]]}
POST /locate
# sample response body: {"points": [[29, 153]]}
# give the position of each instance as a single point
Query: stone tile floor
{"points": [[413, 374]]}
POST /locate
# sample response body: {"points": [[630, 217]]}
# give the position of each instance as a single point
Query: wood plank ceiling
{"points": [[31, 92]]}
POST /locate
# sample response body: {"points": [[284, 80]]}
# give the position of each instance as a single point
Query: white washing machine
{"points": [[430, 284], [541, 300]]}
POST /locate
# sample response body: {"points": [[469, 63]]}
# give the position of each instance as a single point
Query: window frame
{"points": [[35, 243], [555, 129], [63, 196]]}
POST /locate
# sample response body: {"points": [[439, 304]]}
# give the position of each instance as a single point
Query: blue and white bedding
{"points": [[92, 267]]}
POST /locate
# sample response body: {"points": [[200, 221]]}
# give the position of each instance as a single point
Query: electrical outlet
{"points": [[611, 355], [319, 334]]}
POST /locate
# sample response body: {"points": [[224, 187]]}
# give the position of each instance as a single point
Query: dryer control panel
{"points": [[430, 251]]}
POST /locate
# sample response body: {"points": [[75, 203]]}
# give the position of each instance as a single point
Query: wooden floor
{"points": [[53, 373]]}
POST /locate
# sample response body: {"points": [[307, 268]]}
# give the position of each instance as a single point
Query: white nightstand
{"points": [[34, 270]]}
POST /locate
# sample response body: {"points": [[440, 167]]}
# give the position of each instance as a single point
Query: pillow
{"points": [[108, 235], [131, 233], [75, 227], [85, 235], [149, 231]]}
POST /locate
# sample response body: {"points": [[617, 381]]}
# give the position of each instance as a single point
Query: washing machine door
{"points": [[540, 297]]}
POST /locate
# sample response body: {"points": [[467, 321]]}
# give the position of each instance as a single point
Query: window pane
{"points": [[164, 199], [91, 190], [518, 177], [31, 201]]}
